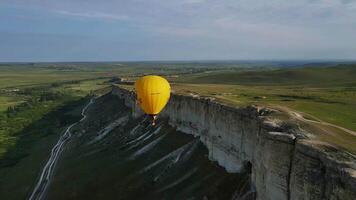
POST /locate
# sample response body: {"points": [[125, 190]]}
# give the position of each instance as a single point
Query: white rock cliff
{"points": [[284, 165]]}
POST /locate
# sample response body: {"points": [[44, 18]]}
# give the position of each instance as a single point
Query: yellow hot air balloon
{"points": [[153, 93]]}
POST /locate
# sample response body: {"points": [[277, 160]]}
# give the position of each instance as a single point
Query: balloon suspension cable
{"points": [[154, 117]]}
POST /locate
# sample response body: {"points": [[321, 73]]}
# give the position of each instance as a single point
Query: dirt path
{"points": [[299, 116], [43, 182]]}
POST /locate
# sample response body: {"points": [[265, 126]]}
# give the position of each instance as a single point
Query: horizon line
{"points": [[187, 61]]}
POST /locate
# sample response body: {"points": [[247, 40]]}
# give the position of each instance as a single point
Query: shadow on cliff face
{"points": [[113, 156]]}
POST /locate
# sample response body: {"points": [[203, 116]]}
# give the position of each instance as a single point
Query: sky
{"points": [[130, 30]]}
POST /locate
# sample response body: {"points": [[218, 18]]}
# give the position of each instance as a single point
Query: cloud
{"points": [[94, 15], [193, 1]]}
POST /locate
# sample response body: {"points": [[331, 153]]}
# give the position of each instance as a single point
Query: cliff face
{"points": [[283, 165], [115, 156]]}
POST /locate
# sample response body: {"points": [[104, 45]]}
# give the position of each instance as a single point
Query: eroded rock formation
{"points": [[284, 163]]}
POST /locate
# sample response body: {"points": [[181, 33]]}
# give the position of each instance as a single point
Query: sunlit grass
{"points": [[6, 101]]}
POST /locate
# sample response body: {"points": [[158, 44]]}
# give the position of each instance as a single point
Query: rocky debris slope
{"points": [[115, 156], [284, 163]]}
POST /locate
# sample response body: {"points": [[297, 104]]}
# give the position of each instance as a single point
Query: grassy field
{"points": [[341, 75], [19, 78], [6, 101], [20, 108]]}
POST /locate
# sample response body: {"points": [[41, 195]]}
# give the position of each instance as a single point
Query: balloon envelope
{"points": [[153, 93]]}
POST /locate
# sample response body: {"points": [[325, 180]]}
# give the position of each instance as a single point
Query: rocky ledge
{"points": [[284, 163]]}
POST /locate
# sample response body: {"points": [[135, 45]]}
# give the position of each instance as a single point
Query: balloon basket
{"points": [[154, 118]]}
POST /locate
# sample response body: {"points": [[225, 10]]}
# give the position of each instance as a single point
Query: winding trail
{"points": [[43, 182], [299, 115]]}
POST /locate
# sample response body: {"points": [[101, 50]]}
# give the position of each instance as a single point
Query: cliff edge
{"points": [[284, 163]]}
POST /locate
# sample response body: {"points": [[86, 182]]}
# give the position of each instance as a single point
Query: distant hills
{"points": [[339, 75]]}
